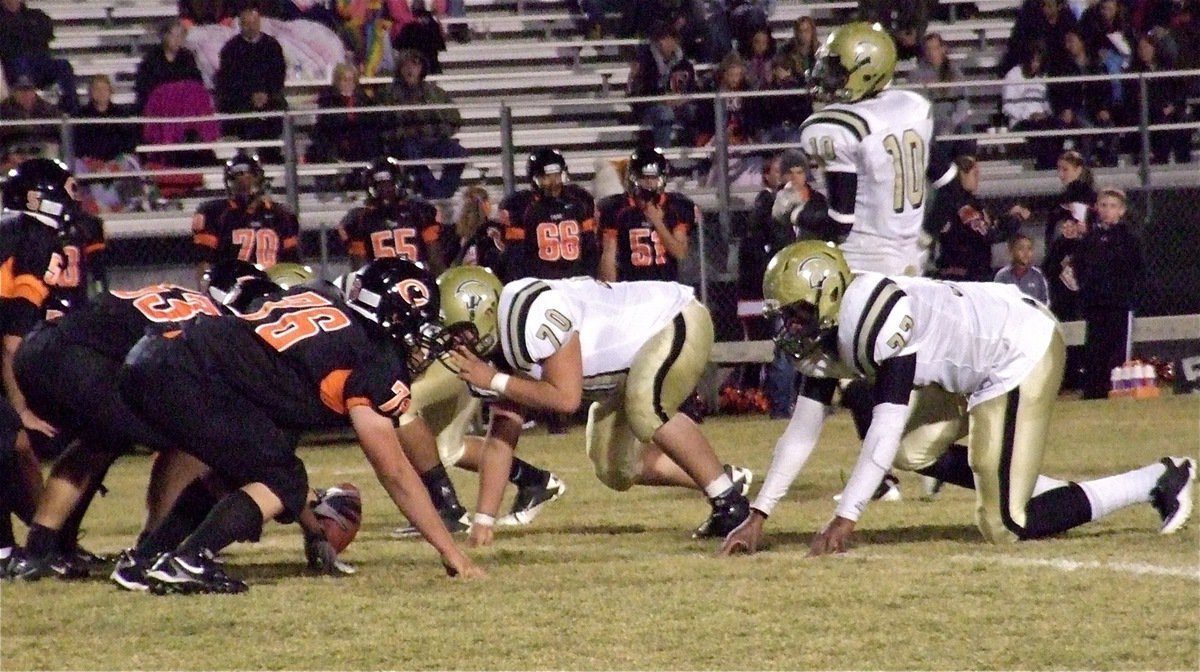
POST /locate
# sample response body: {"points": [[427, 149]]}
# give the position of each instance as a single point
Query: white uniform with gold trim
{"points": [[885, 141]]}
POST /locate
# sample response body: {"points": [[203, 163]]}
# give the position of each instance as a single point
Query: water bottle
{"points": [[1115, 379]]}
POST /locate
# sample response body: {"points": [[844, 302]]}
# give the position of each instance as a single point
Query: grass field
{"points": [[607, 580]]}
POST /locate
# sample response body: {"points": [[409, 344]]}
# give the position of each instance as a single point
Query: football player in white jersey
{"points": [[944, 359], [876, 146], [635, 349]]}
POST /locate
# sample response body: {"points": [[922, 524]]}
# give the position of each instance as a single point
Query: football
{"points": [[339, 510]]}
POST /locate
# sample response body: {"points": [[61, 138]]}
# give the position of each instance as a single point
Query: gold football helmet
{"points": [[804, 286], [470, 297], [857, 60]]}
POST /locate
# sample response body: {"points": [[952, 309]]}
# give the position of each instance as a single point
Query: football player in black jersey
{"points": [[233, 391], [247, 224], [68, 369], [392, 223], [645, 235], [550, 228], [40, 203]]}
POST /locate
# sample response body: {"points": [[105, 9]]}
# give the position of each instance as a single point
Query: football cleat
{"points": [[930, 487], [530, 500], [741, 477], [457, 521], [728, 511], [191, 574], [25, 568], [1172, 494], [130, 572]]}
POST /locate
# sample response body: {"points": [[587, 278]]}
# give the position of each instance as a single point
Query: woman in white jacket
{"points": [[1026, 106]]}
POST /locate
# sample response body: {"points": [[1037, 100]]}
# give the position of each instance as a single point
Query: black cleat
{"points": [[130, 572], [1172, 494], [191, 574], [888, 490], [457, 521], [87, 558], [25, 568], [530, 500], [728, 511]]}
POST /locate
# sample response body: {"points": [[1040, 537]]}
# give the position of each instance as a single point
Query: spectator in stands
{"points": [[32, 140], [730, 78], [424, 35], [354, 135], [475, 239], [905, 20], [778, 118], [1089, 103], [1106, 33], [951, 109], [802, 48], [204, 12], [1167, 102], [1185, 28], [250, 78], [1039, 26], [25, 36], [747, 17], [1109, 269], [758, 53], [168, 61], [660, 68], [1026, 107], [427, 134], [103, 148], [963, 228], [1078, 197], [1021, 271]]}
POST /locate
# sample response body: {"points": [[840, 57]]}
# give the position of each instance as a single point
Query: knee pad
{"points": [[611, 446]]}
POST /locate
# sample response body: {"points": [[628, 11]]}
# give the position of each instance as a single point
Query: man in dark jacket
{"points": [[250, 79], [25, 36], [427, 134]]}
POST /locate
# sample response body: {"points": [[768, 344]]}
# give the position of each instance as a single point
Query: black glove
{"points": [[322, 559]]}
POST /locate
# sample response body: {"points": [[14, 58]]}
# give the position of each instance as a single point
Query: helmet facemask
{"points": [[801, 332]]}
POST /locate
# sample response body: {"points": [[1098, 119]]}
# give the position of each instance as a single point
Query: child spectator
{"points": [[1109, 268], [1021, 272]]}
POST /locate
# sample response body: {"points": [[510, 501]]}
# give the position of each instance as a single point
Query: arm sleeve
{"points": [[792, 451]]}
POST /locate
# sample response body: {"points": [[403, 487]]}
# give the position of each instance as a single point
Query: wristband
{"points": [[483, 519], [499, 383]]}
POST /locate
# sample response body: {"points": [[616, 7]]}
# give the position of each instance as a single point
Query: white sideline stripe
{"points": [[1060, 564]]}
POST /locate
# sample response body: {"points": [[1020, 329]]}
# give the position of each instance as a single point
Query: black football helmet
{"points": [[398, 299], [545, 162], [221, 280], [646, 162], [245, 295], [383, 172], [44, 187], [239, 190]]}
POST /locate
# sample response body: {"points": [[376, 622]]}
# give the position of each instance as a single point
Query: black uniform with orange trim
{"points": [[68, 367], [83, 246], [550, 238], [263, 233], [641, 254], [31, 262], [404, 231], [235, 391]]}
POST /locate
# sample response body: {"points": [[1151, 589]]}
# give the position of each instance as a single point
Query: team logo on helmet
{"points": [[414, 292], [470, 293]]}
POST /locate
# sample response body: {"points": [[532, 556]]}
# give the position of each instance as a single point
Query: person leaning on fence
{"points": [[1021, 272], [250, 78], [1110, 270], [428, 133], [965, 231]]}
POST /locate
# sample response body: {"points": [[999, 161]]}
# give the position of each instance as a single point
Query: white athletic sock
{"points": [[1112, 493], [1045, 483], [719, 486], [5, 552]]}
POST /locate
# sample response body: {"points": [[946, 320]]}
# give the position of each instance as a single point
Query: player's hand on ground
{"points": [[481, 535], [745, 537], [834, 538], [30, 421], [472, 369], [322, 559], [463, 568]]}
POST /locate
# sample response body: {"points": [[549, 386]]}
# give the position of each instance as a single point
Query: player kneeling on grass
{"points": [[943, 359], [637, 347], [234, 390]]}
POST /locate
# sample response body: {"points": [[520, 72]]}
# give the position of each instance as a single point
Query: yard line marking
{"points": [[1067, 565]]}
